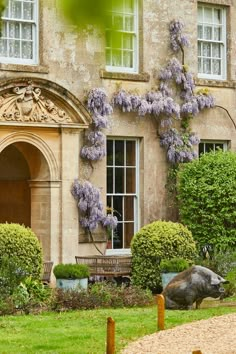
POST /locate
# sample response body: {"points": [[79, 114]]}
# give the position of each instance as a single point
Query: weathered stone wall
{"points": [[75, 60]]}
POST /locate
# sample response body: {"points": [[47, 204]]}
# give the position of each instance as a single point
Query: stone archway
{"points": [[25, 195]]}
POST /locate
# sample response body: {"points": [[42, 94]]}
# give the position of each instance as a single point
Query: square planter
{"points": [[166, 278], [80, 284]]}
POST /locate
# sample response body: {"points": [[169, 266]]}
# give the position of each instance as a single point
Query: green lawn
{"points": [[84, 332]]}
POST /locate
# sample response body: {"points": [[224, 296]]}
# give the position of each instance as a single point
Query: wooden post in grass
{"points": [[197, 352], [160, 312], [110, 336]]}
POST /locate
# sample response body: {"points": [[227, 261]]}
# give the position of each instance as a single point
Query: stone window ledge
{"points": [[145, 77], [216, 83], [24, 68]]}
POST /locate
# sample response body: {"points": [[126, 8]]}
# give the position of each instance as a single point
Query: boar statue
{"points": [[192, 285]]}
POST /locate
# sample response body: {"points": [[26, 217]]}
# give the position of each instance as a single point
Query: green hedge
{"points": [[207, 199], [21, 243], [71, 271], [154, 242]]}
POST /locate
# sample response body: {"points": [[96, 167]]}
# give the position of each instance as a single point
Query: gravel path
{"points": [[213, 336]]}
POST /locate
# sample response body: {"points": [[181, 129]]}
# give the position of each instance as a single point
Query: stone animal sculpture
{"points": [[192, 285]]}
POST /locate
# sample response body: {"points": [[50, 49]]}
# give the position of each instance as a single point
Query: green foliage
{"points": [[173, 265], [207, 199], [83, 12], [22, 244], [71, 271], [230, 289], [11, 274], [154, 242], [101, 295]]}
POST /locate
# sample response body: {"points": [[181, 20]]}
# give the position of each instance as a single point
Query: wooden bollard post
{"points": [[110, 336], [160, 312], [197, 352]]}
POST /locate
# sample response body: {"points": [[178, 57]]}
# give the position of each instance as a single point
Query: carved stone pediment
{"points": [[25, 101], [27, 104]]}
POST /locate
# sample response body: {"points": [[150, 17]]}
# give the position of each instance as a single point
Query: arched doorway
{"points": [[24, 191], [14, 188]]}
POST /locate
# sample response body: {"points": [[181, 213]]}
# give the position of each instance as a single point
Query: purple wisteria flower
{"points": [[90, 206], [177, 39], [179, 146]]}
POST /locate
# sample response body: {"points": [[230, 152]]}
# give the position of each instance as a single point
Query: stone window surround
{"points": [[34, 68], [140, 76]]}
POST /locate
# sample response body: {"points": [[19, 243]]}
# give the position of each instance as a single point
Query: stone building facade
{"points": [[46, 68]]}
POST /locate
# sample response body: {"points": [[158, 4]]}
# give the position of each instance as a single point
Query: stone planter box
{"points": [[167, 277], [80, 284]]}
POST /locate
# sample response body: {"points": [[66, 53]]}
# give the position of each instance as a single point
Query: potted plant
{"points": [[71, 276], [169, 268]]}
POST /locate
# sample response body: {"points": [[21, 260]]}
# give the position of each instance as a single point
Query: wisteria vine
{"points": [[99, 109], [90, 207], [163, 105]]}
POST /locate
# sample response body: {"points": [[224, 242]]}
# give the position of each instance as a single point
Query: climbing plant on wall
{"points": [[174, 103]]}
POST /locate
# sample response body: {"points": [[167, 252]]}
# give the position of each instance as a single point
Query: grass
{"points": [[84, 332]]}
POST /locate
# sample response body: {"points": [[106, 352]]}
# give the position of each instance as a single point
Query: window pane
{"points": [[109, 180], [116, 58], [119, 152], [209, 147], [119, 180], [200, 32], [14, 48], [200, 14], [201, 148], [219, 146], [216, 50], [14, 30], [208, 14], [118, 236], [199, 65], [28, 11], [129, 232], [118, 208], [129, 5], [109, 152], [128, 59], [206, 49], [217, 16], [216, 67], [129, 23], [129, 208], [118, 22], [208, 33], [16, 9], [130, 180], [130, 153], [26, 31], [217, 34], [207, 66], [127, 41], [3, 47], [27, 50]]}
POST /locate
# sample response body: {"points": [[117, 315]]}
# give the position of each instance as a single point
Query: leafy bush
{"points": [[101, 295], [174, 265], [230, 289], [71, 271], [22, 244], [207, 195], [221, 261], [154, 242]]}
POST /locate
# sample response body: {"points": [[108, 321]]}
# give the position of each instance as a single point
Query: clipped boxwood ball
{"points": [[21, 243], [154, 242]]}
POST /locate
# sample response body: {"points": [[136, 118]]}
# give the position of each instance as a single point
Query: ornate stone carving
{"points": [[26, 104]]}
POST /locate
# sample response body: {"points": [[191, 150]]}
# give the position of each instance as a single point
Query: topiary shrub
{"points": [[21, 243], [207, 199], [71, 271], [154, 242]]}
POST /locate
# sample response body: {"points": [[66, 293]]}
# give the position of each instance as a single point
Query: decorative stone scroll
{"points": [[26, 104]]}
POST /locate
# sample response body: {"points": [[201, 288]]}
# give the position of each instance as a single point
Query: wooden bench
{"points": [[47, 270], [107, 266]]}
